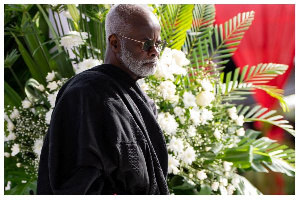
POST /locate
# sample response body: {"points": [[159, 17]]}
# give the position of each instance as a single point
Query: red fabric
{"points": [[270, 39]]}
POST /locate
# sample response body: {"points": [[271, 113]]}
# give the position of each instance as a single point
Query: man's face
{"points": [[141, 63]]}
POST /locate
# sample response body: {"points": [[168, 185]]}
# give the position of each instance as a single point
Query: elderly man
{"points": [[103, 137]]}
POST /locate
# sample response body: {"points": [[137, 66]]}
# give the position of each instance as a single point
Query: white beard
{"points": [[136, 66]]}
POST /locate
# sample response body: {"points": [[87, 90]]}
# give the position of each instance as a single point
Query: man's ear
{"points": [[114, 43]]}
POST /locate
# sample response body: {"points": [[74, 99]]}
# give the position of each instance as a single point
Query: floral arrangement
{"points": [[207, 141]]}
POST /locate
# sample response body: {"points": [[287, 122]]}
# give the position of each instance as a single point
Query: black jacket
{"points": [[103, 138]]}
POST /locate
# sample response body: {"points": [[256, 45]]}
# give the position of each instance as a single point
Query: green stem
{"points": [[17, 80]]}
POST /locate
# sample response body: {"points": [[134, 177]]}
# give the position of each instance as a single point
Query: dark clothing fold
{"points": [[103, 138]]}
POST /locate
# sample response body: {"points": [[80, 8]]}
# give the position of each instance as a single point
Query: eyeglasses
{"points": [[148, 44]]}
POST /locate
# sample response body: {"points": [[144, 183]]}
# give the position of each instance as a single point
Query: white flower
{"points": [[230, 189], [173, 163], [167, 122], [201, 175], [223, 181], [8, 185], [73, 39], [163, 71], [15, 114], [217, 134], [235, 181], [240, 120], [176, 145], [52, 98], [26, 103], [15, 149], [204, 98], [191, 131], [207, 148], [179, 58], [23, 181], [86, 64], [206, 115], [144, 86], [52, 85], [41, 88], [178, 111], [232, 113], [48, 116], [223, 190], [167, 89], [11, 136], [19, 165], [240, 132], [37, 147], [189, 100], [206, 85], [6, 154], [188, 156], [215, 186], [50, 76], [195, 115], [10, 126], [227, 166]]}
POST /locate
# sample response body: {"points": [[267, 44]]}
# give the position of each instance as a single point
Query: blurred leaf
{"points": [[244, 187], [22, 188], [10, 96], [11, 58]]}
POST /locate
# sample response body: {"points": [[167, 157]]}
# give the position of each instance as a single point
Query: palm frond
{"points": [[175, 20], [258, 113], [221, 41], [203, 19], [234, 89], [244, 187]]}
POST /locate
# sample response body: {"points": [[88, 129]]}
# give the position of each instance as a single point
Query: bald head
{"points": [[122, 17]]}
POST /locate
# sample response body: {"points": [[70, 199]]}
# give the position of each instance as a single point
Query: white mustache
{"points": [[150, 61]]}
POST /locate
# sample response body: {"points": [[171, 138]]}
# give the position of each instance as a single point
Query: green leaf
{"points": [[33, 68], [22, 188], [270, 117], [11, 58], [244, 187], [10, 96], [205, 190]]}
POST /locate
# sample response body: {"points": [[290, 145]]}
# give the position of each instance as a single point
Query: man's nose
{"points": [[153, 52]]}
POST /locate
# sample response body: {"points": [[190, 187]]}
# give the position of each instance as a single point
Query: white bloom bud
{"points": [[50, 76], [191, 131], [201, 175], [188, 156], [189, 100], [240, 120], [15, 114], [206, 85], [23, 181], [15, 149], [26, 103], [215, 186], [204, 98], [227, 166], [52, 85], [217, 134], [6, 154], [232, 113], [230, 189], [10, 126], [240, 132], [19, 165], [223, 181]]}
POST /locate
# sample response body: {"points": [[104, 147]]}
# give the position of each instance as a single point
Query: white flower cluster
{"points": [[239, 120], [171, 63], [73, 39], [86, 64]]}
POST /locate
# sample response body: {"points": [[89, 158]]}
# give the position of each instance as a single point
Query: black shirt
{"points": [[103, 138]]}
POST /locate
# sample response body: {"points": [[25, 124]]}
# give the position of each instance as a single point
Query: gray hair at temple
{"points": [[119, 18]]}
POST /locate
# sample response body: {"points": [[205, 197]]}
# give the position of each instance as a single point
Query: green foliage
{"points": [[10, 96], [260, 114]]}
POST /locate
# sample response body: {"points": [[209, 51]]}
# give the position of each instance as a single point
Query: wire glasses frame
{"points": [[147, 45]]}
